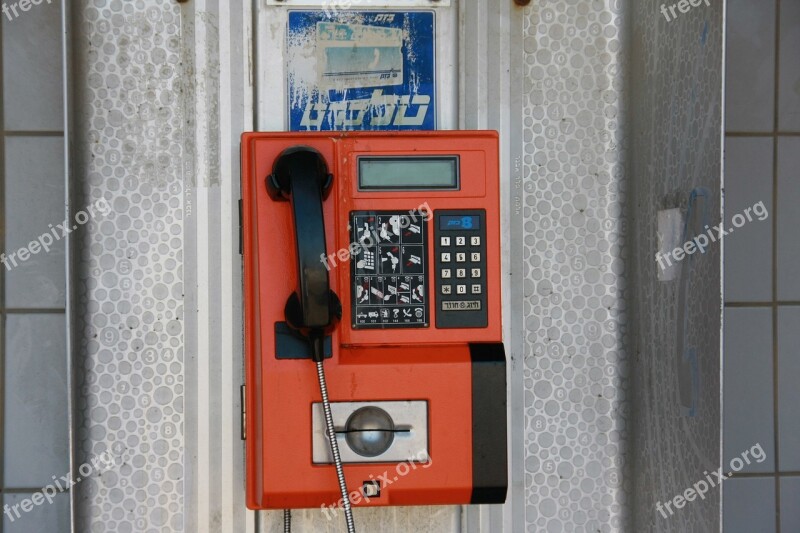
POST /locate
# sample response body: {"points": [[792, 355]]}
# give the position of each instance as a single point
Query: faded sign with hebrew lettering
{"points": [[361, 70]]}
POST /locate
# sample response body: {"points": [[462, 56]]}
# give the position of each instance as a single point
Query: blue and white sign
{"points": [[361, 70]]}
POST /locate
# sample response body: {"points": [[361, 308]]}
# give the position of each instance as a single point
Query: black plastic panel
{"points": [[389, 270], [290, 344], [460, 264], [489, 424]]}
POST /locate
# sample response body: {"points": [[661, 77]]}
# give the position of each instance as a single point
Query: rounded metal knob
{"points": [[370, 431]]}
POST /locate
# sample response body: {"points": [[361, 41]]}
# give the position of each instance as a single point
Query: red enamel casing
{"points": [[460, 372]]}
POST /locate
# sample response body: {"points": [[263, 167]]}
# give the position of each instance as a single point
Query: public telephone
{"points": [[375, 256]]}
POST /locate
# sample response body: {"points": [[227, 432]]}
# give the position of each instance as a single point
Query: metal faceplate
{"points": [[410, 443]]}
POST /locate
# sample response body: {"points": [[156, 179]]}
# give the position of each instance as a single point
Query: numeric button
{"points": [[475, 241], [476, 257], [445, 241], [461, 241], [445, 273]]}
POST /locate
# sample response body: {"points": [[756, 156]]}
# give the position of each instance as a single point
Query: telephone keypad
{"points": [[460, 234]]}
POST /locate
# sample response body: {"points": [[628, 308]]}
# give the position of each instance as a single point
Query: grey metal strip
{"points": [[70, 188], [675, 108]]}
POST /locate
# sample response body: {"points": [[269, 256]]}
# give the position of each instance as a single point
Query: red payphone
{"points": [[375, 256]]}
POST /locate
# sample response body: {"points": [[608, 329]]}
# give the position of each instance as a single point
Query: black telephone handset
{"points": [[300, 175]]}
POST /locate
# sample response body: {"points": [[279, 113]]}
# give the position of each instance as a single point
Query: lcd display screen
{"points": [[412, 173]]}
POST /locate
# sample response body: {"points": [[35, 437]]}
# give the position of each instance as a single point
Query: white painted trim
{"points": [[341, 5], [227, 208], [201, 217]]}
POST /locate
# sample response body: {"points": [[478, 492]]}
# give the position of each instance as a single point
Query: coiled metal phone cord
{"points": [[337, 459]]}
